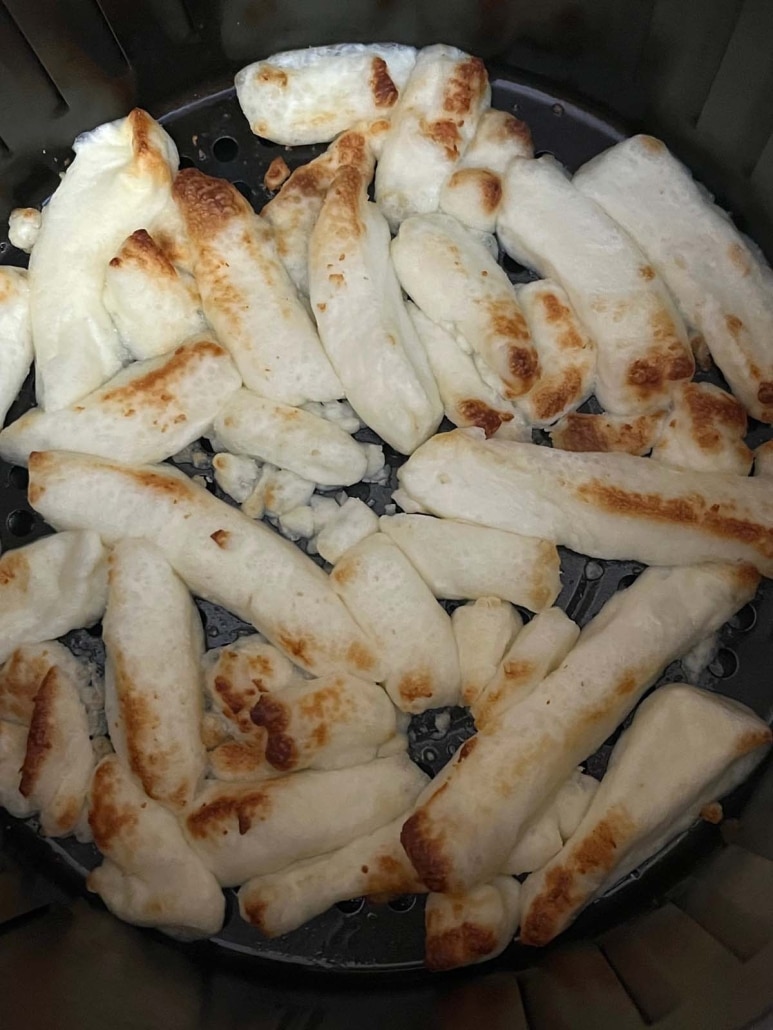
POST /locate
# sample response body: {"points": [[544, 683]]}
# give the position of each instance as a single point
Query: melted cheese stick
{"points": [[58, 760], [537, 650], [372, 864], [641, 341], [458, 560], [15, 335], [363, 321], [457, 283], [473, 192], [216, 550], [247, 296], [636, 434], [604, 505], [686, 748], [567, 355], [328, 723], [119, 181], [153, 646], [47, 588], [246, 830], [153, 305], [412, 634], [467, 399], [502, 776], [145, 413], [432, 126], [312, 447], [150, 876], [310, 95], [293, 212], [472, 926], [705, 431], [722, 285], [483, 630]]}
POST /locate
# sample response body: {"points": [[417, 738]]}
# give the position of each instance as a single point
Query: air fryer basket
{"points": [[684, 943]]}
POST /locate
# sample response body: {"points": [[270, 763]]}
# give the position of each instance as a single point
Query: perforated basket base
{"points": [[362, 937]]}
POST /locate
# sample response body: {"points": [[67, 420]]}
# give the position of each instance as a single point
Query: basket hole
{"points": [[244, 189], [20, 523], [745, 619], [725, 664], [225, 149], [267, 142], [186, 162], [19, 477], [95, 630], [351, 907], [403, 903], [627, 580]]}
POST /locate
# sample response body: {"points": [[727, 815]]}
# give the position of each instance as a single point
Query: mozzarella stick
{"points": [[153, 305], [15, 335], [236, 677], [293, 212], [685, 749], [58, 760], [248, 297], [47, 588], [537, 650], [567, 355], [603, 505], [372, 864], [362, 318], [328, 723], [483, 630], [246, 830], [294, 439], [432, 126], [471, 926], [458, 560], [641, 341], [150, 876], [412, 634], [705, 431], [635, 434], [310, 95], [467, 399], [545, 833], [145, 413], [217, 551], [153, 646], [504, 774], [456, 281], [473, 192], [22, 675], [119, 181], [722, 284], [13, 747]]}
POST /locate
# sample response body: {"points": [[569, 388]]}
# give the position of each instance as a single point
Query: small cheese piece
{"points": [[147, 412], [433, 124], [235, 474], [15, 335], [470, 927], [483, 630], [310, 95], [705, 431], [49, 587], [412, 634], [150, 876], [353, 522], [685, 749], [641, 342], [58, 760], [153, 305], [458, 560], [23, 227], [246, 830]]}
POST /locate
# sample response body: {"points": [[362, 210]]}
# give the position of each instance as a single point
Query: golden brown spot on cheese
{"points": [[346, 570], [739, 257], [518, 670], [734, 325], [238, 759], [652, 144], [150, 159], [444, 134], [467, 748], [709, 409], [647, 272], [157, 386], [276, 173], [465, 86], [425, 851], [765, 393], [108, 817], [232, 699], [382, 88], [254, 911], [513, 128], [207, 204], [490, 191], [213, 818], [270, 75], [753, 739], [301, 648], [585, 432], [20, 680], [457, 946], [389, 878], [140, 250], [712, 813], [15, 568], [221, 538], [475, 412], [412, 686], [41, 735], [360, 657], [549, 397]]}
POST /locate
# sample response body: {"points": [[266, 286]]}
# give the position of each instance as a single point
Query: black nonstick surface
{"points": [[361, 937]]}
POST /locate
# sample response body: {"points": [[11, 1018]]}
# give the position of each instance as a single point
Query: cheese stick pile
{"points": [[160, 310]]}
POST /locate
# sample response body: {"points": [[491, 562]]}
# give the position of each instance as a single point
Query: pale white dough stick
{"points": [[15, 335]]}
